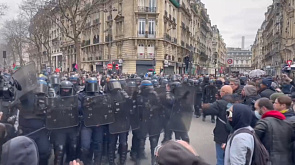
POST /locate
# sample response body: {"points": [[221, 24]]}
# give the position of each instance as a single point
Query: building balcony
{"points": [[146, 34], [147, 9], [152, 34]]}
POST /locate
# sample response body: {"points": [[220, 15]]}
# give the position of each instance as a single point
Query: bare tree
{"points": [[3, 9], [71, 17], [15, 32], [38, 28]]}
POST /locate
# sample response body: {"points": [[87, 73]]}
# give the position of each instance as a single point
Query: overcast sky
{"points": [[237, 18], [234, 18]]}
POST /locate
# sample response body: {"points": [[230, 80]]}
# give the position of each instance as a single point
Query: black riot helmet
{"points": [[74, 79], [64, 78], [174, 85], [175, 78], [91, 84], [191, 82], [146, 86], [138, 81], [123, 83], [131, 87], [55, 79], [114, 85], [42, 87], [42, 77], [164, 82], [155, 83], [66, 88]]}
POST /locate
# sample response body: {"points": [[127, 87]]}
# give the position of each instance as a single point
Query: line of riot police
{"points": [[88, 120]]}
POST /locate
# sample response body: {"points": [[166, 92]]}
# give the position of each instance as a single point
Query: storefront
{"points": [[169, 67], [142, 67]]}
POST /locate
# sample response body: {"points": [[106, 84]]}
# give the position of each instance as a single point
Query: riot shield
{"points": [[62, 112], [40, 106], [122, 121], [134, 114], [27, 78], [182, 110], [97, 110]]}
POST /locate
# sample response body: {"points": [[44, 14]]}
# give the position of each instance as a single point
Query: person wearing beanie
{"points": [[274, 96], [274, 132], [250, 95], [19, 150], [266, 90], [177, 153]]}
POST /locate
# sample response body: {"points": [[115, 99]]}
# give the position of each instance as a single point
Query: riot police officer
{"points": [[132, 91], [91, 136], [181, 95], [54, 82], [150, 120], [65, 135], [118, 129], [32, 119]]}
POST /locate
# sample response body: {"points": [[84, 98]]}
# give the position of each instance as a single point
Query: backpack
{"points": [[260, 154]]}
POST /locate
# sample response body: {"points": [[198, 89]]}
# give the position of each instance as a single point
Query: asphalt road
{"points": [[201, 138]]}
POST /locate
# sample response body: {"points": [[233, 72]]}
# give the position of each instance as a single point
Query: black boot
{"points": [[85, 156], [43, 161], [98, 155], [154, 143], [123, 153], [59, 155], [140, 152], [111, 154], [72, 152]]}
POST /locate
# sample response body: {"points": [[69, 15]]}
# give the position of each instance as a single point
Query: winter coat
{"points": [[235, 153], [238, 146], [267, 92], [277, 137], [286, 88], [218, 108], [250, 101]]}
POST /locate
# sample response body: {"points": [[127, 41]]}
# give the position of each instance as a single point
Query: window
{"points": [[151, 51], [141, 27], [141, 2], [140, 51], [152, 3], [152, 27]]}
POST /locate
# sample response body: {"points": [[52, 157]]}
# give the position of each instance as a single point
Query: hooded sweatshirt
{"points": [[235, 153], [19, 150]]}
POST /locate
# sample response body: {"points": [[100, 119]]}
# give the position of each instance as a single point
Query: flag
{"points": [[76, 66]]}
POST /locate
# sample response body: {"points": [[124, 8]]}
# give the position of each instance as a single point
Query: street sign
{"points": [[289, 62], [117, 67], [230, 61], [110, 66]]}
